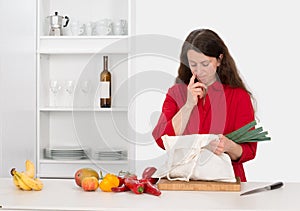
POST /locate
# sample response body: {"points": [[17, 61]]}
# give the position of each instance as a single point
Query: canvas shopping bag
{"points": [[189, 158]]}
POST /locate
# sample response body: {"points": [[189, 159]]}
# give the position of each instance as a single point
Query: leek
{"points": [[244, 134]]}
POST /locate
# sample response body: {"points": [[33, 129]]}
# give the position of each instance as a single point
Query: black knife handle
{"points": [[276, 185]]}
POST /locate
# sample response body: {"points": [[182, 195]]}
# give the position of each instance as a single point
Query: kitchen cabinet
{"points": [[69, 118]]}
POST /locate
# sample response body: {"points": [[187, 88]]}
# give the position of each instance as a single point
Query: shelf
{"points": [[79, 58], [83, 44], [83, 161], [63, 109], [83, 37]]}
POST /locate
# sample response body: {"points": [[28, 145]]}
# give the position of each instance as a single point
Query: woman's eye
{"points": [[205, 64]]}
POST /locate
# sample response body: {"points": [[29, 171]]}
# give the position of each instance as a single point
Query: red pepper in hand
{"points": [[150, 188], [134, 185]]}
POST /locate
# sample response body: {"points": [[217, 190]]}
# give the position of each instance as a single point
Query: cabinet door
{"points": [[17, 84]]}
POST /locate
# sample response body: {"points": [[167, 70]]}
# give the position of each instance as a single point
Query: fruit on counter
{"points": [[85, 172], [148, 172], [29, 169], [108, 182], [25, 182], [89, 183]]}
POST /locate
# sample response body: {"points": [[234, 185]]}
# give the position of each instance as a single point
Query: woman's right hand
{"points": [[195, 91]]}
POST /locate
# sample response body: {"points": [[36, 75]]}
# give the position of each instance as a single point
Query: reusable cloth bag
{"points": [[189, 158]]}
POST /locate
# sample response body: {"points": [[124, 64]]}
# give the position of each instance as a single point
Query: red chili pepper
{"points": [[134, 185], [121, 181], [152, 180], [122, 188], [150, 188], [148, 172]]}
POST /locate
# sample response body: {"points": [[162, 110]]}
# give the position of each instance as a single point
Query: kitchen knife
{"points": [[268, 187]]}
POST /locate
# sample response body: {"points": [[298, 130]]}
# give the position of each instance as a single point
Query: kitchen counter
{"points": [[63, 194]]}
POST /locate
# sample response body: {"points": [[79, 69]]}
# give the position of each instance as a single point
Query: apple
{"points": [[90, 183], [85, 172]]}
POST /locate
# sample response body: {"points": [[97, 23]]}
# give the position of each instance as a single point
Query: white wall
{"points": [[17, 84], [263, 38]]}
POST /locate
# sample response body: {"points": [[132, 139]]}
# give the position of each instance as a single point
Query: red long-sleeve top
{"points": [[223, 110]]}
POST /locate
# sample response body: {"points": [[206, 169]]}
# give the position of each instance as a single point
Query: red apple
{"points": [[85, 172], [90, 183]]}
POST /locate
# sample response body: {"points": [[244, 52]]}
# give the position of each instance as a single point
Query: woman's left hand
{"points": [[222, 145], [225, 145]]}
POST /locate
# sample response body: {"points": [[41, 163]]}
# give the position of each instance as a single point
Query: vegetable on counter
{"points": [[138, 186], [108, 182], [245, 134], [149, 187], [148, 172], [134, 185]]}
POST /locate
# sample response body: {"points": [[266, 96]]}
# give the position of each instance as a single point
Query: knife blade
{"points": [[266, 188]]}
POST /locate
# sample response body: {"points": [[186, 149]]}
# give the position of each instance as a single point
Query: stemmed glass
{"points": [[85, 87], [69, 88], [54, 88]]}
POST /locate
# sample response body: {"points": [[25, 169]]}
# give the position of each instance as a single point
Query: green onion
{"points": [[244, 134]]}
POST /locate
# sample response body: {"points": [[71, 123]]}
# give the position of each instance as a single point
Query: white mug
{"points": [[77, 28], [89, 28], [120, 27], [104, 27]]}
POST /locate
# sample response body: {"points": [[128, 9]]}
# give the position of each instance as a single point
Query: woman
{"points": [[209, 97]]}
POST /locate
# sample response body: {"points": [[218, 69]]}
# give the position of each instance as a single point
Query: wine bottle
{"points": [[105, 85]]}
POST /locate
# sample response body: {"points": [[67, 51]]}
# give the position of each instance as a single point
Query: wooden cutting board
{"points": [[198, 185]]}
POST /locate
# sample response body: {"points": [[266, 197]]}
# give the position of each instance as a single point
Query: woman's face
{"points": [[204, 67]]}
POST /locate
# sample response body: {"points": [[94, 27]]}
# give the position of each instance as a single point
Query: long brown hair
{"points": [[210, 44]]}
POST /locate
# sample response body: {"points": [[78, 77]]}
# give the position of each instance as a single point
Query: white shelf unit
{"points": [[77, 120]]}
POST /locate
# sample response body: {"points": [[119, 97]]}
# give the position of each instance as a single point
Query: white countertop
{"points": [[63, 194]]}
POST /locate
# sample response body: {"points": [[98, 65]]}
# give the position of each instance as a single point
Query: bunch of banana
{"points": [[25, 180]]}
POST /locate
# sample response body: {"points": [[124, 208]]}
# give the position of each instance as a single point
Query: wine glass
{"points": [[69, 88], [85, 86], [54, 88]]}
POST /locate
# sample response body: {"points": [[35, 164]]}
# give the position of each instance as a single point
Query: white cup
{"points": [[104, 27], [76, 28], [120, 27], [89, 28]]}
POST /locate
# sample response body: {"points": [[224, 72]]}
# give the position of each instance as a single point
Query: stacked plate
{"points": [[109, 154], [65, 153]]}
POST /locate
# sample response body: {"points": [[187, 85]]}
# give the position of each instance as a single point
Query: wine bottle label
{"points": [[104, 89]]}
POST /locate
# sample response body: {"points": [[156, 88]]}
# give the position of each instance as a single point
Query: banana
{"points": [[16, 182], [19, 182], [25, 180], [30, 169], [33, 183]]}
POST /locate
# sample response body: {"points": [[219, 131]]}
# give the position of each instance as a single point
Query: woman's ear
{"points": [[220, 59]]}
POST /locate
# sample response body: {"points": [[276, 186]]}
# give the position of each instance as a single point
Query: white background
{"points": [[263, 38]]}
